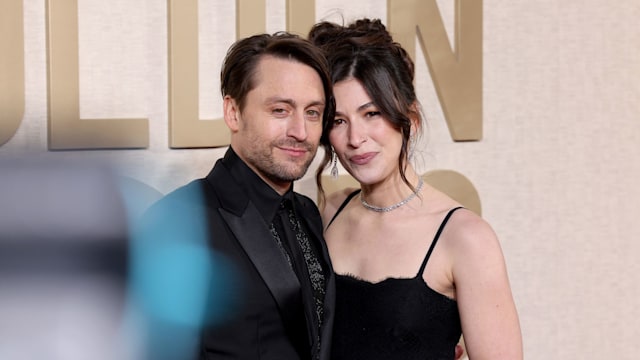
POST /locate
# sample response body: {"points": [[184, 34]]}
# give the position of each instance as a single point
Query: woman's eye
{"points": [[337, 121]]}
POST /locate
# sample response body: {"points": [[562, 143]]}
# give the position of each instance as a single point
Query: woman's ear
{"points": [[231, 113], [414, 116]]}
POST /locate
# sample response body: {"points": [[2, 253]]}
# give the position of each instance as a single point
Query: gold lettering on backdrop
{"points": [[251, 17], [457, 75], [186, 130], [66, 129], [12, 95], [301, 15]]}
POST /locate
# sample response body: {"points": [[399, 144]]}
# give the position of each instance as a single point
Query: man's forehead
{"points": [[271, 65], [283, 80]]}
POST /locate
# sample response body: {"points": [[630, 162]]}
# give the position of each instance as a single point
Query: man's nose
{"points": [[297, 127]]}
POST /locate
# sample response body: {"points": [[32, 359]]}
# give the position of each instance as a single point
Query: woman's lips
{"points": [[363, 158]]}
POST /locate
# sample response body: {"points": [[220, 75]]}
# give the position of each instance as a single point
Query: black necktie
{"points": [[302, 257]]}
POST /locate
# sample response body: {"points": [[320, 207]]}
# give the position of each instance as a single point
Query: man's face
{"points": [[278, 131]]}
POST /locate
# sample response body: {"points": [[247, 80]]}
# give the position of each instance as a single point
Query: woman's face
{"points": [[365, 142]]}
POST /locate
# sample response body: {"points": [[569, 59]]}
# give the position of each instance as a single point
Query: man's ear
{"points": [[231, 113]]}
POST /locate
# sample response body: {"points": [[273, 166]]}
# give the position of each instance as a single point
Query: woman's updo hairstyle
{"points": [[365, 51]]}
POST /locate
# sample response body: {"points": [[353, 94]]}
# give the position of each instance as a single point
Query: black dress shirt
{"points": [[271, 207]]}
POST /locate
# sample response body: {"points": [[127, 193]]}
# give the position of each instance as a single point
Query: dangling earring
{"points": [[412, 146], [334, 167]]}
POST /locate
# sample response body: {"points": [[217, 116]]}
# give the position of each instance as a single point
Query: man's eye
{"points": [[372, 113], [279, 111], [313, 114]]}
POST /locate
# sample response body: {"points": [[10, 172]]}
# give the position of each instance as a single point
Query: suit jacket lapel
{"points": [[253, 234]]}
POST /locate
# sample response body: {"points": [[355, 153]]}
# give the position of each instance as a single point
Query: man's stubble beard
{"points": [[281, 171]]}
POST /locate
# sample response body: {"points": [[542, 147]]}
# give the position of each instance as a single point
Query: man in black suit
{"points": [[268, 282]]}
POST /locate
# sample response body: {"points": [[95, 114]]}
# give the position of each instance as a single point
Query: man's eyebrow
{"points": [[276, 99], [316, 103], [291, 102]]}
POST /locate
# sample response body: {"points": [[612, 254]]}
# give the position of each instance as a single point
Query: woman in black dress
{"points": [[415, 269]]}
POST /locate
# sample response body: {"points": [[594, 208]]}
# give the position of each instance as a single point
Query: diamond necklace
{"points": [[394, 206]]}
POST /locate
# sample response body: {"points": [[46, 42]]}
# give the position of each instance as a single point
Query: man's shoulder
{"points": [[305, 200], [184, 199], [179, 216], [308, 206], [188, 193]]}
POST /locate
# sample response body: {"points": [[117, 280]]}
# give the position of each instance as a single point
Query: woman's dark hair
{"points": [[237, 76], [365, 51]]}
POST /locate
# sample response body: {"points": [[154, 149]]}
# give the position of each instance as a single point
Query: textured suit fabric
{"points": [[255, 308]]}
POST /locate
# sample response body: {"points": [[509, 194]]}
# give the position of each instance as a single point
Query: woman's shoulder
{"points": [[465, 225], [472, 238]]}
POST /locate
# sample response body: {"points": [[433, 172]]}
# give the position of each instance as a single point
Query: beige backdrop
{"points": [[557, 170]]}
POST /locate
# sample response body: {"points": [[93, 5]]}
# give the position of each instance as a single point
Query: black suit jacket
{"points": [[254, 305]]}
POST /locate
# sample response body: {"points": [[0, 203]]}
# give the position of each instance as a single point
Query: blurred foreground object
{"points": [[79, 279], [63, 261]]}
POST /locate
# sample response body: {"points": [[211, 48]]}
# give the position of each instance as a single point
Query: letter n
{"points": [[457, 75]]}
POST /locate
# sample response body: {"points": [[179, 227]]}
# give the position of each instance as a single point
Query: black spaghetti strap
{"points": [[344, 203], [435, 239]]}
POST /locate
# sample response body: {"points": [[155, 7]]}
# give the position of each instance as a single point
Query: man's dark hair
{"points": [[237, 77]]}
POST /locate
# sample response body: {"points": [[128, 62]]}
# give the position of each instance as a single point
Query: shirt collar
{"points": [[263, 196]]}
